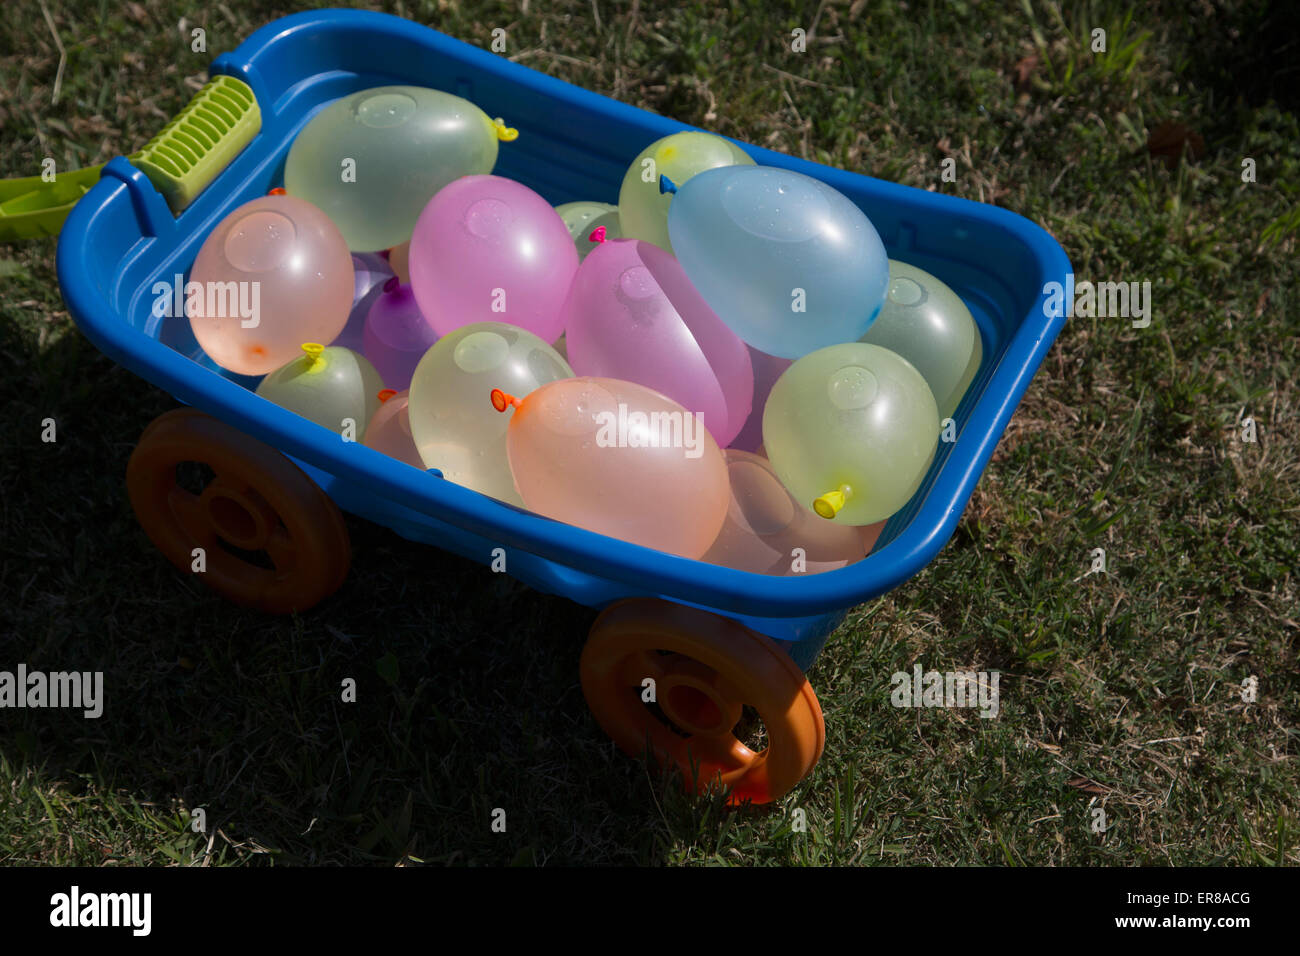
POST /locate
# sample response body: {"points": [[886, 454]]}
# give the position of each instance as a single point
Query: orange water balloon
{"points": [[274, 273], [619, 459], [389, 431]]}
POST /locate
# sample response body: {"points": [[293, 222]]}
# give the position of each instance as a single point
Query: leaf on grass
{"points": [[1024, 71], [1087, 786], [1168, 140], [11, 267], [387, 667]]}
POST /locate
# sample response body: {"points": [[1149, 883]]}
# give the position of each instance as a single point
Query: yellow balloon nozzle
{"points": [[830, 504], [501, 400], [314, 352], [507, 134]]}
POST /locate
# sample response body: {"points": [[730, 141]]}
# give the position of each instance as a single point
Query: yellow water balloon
{"points": [[851, 430], [642, 208]]}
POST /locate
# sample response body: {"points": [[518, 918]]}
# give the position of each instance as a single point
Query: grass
{"points": [[1120, 691]]}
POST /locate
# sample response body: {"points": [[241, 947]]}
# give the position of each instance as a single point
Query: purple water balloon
{"points": [[632, 314], [767, 369], [396, 335], [370, 272]]}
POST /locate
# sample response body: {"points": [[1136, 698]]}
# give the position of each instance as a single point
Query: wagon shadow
{"points": [[467, 699]]}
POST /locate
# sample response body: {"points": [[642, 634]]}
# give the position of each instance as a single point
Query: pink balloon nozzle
{"points": [[597, 234], [386, 393]]}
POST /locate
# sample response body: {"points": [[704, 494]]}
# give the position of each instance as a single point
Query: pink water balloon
{"points": [[766, 531], [396, 335], [389, 430], [488, 249], [274, 273], [619, 459], [632, 314]]}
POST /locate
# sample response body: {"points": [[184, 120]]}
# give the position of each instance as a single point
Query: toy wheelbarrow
{"points": [[714, 640]]}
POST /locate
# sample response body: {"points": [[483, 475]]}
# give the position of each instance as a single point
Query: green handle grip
{"points": [[180, 161]]}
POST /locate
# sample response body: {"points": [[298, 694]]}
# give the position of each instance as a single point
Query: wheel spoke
{"points": [[281, 549], [721, 752], [639, 665], [190, 514]]}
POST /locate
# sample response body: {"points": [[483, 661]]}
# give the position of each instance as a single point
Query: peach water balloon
{"points": [[768, 532], [870, 534], [632, 314], [851, 430], [452, 421], [928, 324], [399, 260], [389, 431], [371, 160], [370, 272], [334, 387], [642, 208], [488, 249], [274, 273], [789, 263], [396, 335], [583, 217], [620, 459]]}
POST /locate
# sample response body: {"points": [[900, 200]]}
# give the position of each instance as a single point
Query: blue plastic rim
{"points": [[121, 239]]}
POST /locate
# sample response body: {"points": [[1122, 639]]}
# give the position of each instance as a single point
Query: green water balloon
{"points": [[642, 208], [851, 430], [583, 217], [334, 387], [453, 423], [928, 324], [372, 160]]}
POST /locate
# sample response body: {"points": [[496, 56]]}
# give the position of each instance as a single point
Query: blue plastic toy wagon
{"points": [[713, 639]]}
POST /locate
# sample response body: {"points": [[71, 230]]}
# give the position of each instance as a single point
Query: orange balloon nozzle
{"points": [[830, 504], [386, 393], [314, 352], [277, 191], [501, 401], [504, 133]]}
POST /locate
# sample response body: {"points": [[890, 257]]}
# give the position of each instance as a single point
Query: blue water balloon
{"points": [[789, 263]]}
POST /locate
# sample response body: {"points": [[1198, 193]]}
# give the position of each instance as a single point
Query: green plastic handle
{"points": [[180, 161]]}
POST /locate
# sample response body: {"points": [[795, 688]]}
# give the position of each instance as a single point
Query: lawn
{"points": [[1121, 691]]}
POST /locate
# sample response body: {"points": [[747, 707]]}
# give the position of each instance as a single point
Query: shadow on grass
{"points": [[467, 694]]}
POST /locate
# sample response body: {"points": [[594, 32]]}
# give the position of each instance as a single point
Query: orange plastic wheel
{"points": [[272, 540], [706, 669]]}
